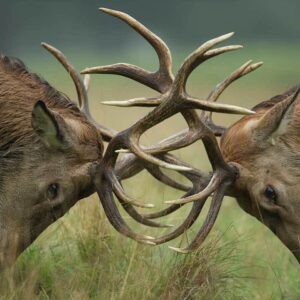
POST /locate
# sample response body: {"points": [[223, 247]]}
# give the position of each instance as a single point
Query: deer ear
{"points": [[48, 126], [275, 121]]}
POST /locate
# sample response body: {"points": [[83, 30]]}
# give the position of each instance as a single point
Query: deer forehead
{"points": [[88, 139]]}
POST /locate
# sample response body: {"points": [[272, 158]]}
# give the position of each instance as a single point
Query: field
{"points": [[82, 257]]}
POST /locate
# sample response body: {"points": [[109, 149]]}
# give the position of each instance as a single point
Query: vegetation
{"points": [[82, 257]]}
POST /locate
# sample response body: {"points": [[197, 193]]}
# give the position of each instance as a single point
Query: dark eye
{"points": [[53, 190], [270, 194]]}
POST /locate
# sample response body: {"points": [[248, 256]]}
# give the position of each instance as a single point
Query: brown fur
{"points": [[29, 165], [19, 91], [265, 148], [235, 143]]}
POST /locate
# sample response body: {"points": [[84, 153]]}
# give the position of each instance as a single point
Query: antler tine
{"points": [[178, 87], [198, 178], [87, 81], [162, 112], [79, 84], [112, 212], [223, 176], [130, 138], [164, 212], [199, 181], [162, 177], [185, 225], [127, 70], [243, 70], [208, 223], [164, 54], [163, 78], [130, 165], [118, 222], [173, 99], [195, 176], [105, 193], [209, 189], [81, 88], [159, 80], [182, 139], [144, 102], [107, 133], [139, 217], [199, 56], [120, 193]]}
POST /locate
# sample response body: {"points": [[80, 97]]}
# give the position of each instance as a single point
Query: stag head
{"points": [[48, 150], [265, 150]]}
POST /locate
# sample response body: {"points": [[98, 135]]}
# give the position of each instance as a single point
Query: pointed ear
{"points": [[48, 126], [276, 120]]}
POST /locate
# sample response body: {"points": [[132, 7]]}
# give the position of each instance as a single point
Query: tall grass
{"points": [[82, 257]]}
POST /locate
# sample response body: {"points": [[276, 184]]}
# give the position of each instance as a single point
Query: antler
{"points": [[173, 99], [245, 69], [81, 89], [107, 133]]}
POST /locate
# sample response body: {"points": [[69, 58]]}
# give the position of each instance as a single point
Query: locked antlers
{"points": [[173, 99]]}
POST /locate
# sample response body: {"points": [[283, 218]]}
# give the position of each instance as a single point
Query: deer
{"points": [[53, 155], [255, 160]]}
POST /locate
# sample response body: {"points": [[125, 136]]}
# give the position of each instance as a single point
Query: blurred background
{"points": [[77, 26], [269, 31], [242, 260]]}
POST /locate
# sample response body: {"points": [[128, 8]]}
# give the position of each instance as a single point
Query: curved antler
{"points": [[173, 99], [107, 134], [81, 88]]}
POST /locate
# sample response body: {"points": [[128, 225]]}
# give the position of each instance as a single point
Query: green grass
{"points": [[82, 257]]}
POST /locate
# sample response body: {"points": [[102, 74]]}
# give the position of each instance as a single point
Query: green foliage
{"points": [[81, 257]]}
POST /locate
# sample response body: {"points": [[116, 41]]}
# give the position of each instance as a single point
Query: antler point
{"points": [[148, 237], [149, 205], [229, 34], [148, 243], [84, 71], [104, 9], [179, 250], [122, 151], [170, 202]]}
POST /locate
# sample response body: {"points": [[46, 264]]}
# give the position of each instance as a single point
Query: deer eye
{"points": [[270, 194], [53, 190]]}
